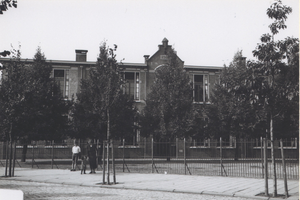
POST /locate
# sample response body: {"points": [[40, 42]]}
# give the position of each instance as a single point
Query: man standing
{"points": [[92, 154], [75, 153]]}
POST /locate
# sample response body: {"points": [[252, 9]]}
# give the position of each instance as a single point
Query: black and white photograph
{"points": [[149, 99]]}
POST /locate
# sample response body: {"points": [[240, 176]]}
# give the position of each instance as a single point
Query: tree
{"points": [[274, 84], [230, 103], [169, 106], [102, 110], [44, 109], [123, 115], [7, 3], [87, 123], [11, 100], [231, 112], [31, 105]]}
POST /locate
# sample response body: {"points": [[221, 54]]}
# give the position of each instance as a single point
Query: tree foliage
{"points": [[12, 97], [275, 88], [231, 112], [31, 104], [275, 75], [169, 110], [250, 95], [46, 111], [5, 4], [101, 92]]}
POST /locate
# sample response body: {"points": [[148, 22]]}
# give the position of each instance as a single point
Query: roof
{"points": [[66, 62], [202, 67], [75, 62]]}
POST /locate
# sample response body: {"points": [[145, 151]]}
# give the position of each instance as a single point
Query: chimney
{"points": [[81, 55], [165, 42], [146, 58], [243, 60]]}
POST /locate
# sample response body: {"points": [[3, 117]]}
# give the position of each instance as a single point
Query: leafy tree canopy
{"points": [[169, 110], [33, 108], [102, 98], [5, 4]]}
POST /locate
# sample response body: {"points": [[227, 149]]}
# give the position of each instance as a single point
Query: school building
{"points": [[138, 76]]}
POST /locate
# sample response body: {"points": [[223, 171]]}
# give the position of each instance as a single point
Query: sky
{"points": [[203, 32]]}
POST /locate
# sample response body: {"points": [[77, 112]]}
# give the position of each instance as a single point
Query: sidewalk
{"points": [[209, 185]]}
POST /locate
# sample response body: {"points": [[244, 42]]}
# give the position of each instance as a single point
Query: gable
{"points": [[161, 57]]}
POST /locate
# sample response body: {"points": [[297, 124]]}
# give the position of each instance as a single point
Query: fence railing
{"points": [[238, 158]]}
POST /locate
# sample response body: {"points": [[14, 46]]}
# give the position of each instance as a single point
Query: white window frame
{"points": [[205, 95], [136, 85], [66, 87]]}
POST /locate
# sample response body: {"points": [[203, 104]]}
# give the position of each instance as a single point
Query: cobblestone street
{"points": [[34, 190]]}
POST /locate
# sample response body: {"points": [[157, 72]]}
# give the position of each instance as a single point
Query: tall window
{"points": [[0, 76], [201, 88], [132, 85], [61, 76]]}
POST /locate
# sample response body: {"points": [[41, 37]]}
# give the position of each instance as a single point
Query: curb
{"points": [[210, 193]]}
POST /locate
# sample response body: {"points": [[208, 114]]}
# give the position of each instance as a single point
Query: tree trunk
{"points": [[24, 152], [273, 158], [14, 158], [10, 150], [103, 163], [113, 162], [6, 157], [108, 142], [265, 140]]}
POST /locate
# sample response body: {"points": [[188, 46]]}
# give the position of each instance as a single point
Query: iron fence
{"points": [[234, 158]]}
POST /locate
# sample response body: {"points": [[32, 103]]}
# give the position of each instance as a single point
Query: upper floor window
{"points": [[201, 91], [61, 76], [0, 76], [132, 84]]}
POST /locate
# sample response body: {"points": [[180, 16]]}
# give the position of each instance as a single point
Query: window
{"points": [[201, 88], [0, 76], [132, 85], [61, 76], [133, 139]]}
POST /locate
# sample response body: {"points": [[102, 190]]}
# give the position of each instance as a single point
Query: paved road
{"points": [[44, 191]]}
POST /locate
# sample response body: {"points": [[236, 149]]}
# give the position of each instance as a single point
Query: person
{"points": [[83, 164], [92, 154], [75, 153]]}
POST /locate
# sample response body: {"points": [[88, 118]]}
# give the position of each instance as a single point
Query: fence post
{"points": [[245, 148], [184, 156], [152, 154], [145, 147], [123, 155], [52, 154], [262, 157], [284, 170], [221, 160], [32, 155], [266, 166], [103, 163], [97, 156], [176, 148]]}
